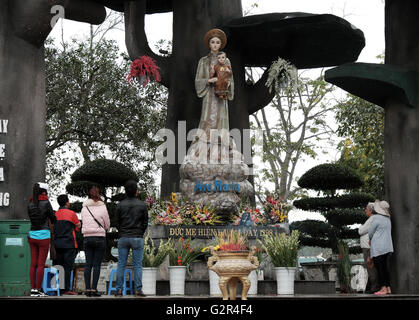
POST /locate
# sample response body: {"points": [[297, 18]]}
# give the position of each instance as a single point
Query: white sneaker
{"points": [[37, 293], [42, 294], [34, 293]]}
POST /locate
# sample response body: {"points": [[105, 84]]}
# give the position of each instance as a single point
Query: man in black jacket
{"points": [[131, 222]]}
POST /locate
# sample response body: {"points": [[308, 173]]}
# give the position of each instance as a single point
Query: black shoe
{"points": [[118, 293], [95, 293], [140, 293]]}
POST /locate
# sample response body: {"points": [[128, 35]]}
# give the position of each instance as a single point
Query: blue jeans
{"points": [[137, 246]]}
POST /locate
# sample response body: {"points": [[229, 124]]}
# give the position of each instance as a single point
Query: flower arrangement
{"points": [[166, 212], [202, 215], [174, 212], [231, 241], [153, 256], [281, 248], [276, 210], [255, 214], [144, 68], [259, 252], [183, 252]]}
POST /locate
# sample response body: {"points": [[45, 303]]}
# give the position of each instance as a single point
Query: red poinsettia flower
{"points": [[144, 68]]}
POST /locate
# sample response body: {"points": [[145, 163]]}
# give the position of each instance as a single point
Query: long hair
{"points": [[36, 192], [94, 194]]}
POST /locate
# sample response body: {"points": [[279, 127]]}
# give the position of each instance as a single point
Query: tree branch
{"points": [[136, 38], [259, 95]]}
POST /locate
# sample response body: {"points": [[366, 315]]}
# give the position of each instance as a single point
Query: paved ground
{"points": [[250, 298]]}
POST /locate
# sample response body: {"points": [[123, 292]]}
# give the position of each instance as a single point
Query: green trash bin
{"points": [[15, 258]]}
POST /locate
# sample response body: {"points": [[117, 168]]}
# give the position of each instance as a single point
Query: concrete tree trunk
{"points": [[24, 26], [401, 147], [22, 114]]}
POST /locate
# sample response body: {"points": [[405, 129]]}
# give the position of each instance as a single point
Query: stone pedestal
{"points": [[215, 174]]}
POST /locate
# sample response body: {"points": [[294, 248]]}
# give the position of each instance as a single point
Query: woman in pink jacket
{"points": [[95, 223]]}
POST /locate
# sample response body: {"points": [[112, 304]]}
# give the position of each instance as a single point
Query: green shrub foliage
{"points": [[102, 173], [351, 200], [330, 176], [108, 173], [81, 188], [340, 211]]}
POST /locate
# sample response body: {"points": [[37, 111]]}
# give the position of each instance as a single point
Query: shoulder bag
{"points": [[95, 218]]}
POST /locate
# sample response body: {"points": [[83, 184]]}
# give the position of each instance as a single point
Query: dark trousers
{"points": [[381, 264], [94, 248], [372, 284], [65, 257]]}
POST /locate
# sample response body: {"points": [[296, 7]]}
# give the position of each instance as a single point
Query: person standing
{"points": [[65, 239], [131, 221], [381, 244], [372, 284], [39, 212], [95, 218]]}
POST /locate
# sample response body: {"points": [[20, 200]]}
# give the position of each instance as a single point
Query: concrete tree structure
{"points": [[394, 86], [306, 40], [24, 26]]}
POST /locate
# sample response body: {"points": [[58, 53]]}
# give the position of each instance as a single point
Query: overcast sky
{"points": [[365, 15]]}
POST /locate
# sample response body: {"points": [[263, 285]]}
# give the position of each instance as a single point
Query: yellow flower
{"points": [[174, 197]]}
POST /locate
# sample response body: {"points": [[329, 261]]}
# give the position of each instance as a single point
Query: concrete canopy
{"points": [[375, 83], [153, 6], [306, 40]]}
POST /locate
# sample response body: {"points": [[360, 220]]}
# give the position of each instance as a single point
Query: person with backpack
{"points": [[65, 239], [95, 223], [40, 212]]}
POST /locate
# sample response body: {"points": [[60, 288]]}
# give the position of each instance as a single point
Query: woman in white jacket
{"points": [[372, 285], [95, 223]]}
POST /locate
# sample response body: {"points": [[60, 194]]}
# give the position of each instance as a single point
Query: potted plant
{"points": [[232, 262], [153, 258], [283, 252], [181, 254], [256, 275], [343, 267]]}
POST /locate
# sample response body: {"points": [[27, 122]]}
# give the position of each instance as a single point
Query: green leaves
{"points": [[361, 124], [92, 110], [330, 176], [281, 248]]}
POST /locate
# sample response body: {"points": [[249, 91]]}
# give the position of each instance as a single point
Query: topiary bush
{"points": [[331, 176], [340, 211], [103, 173]]}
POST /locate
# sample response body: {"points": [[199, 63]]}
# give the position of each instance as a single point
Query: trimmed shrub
{"points": [[351, 200], [108, 173], [81, 188], [330, 176], [340, 211]]}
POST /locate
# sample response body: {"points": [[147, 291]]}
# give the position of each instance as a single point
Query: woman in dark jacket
{"points": [[39, 211]]}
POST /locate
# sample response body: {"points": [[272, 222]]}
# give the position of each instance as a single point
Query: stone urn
{"points": [[232, 266]]}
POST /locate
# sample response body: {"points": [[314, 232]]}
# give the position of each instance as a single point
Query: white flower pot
{"points": [[285, 280], [253, 277], [149, 281], [214, 280], [177, 280]]}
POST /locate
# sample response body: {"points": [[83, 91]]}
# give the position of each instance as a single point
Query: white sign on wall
{"points": [[4, 196]]}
